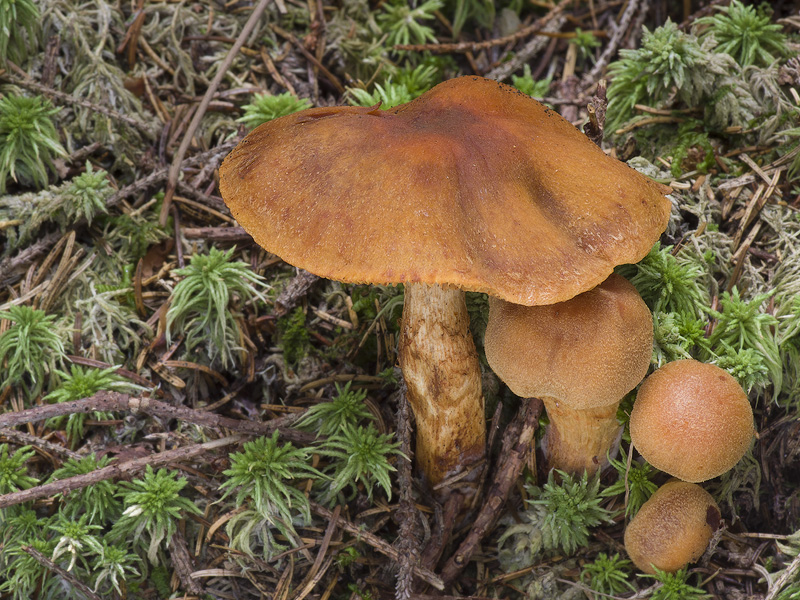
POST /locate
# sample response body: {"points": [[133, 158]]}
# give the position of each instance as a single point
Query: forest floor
{"points": [[183, 414]]}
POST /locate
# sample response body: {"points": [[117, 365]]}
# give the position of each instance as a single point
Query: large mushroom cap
{"points": [[473, 184], [691, 420]]}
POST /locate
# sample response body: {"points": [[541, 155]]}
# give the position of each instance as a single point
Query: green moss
{"points": [[30, 349], [746, 33], [28, 140], [692, 150], [293, 336], [264, 108], [526, 84], [19, 29]]}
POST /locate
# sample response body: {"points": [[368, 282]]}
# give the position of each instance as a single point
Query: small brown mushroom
{"points": [[672, 528], [472, 186], [691, 420], [580, 356]]}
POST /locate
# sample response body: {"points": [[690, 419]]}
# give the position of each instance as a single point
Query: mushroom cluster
{"points": [[693, 421], [472, 186]]}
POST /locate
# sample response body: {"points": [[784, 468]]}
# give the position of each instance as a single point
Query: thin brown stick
{"points": [[25, 257], [114, 471], [217, 234], [28, 83], [175, 168], [26, 439], [313, 575], [82, 154], [310, 58], [159, 176], [63, 573], [105, 401], [442, 532], [407, 540], [555, 20], [648, 121], [536, 28], [184, 567], [516, 445], [613, 44], [380, 545], [210, 201]]}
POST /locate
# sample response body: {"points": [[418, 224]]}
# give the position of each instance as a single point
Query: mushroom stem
{"points": [[579, 439], [443, 377]]}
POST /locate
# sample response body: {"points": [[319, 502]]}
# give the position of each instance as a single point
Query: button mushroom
{"points": [[580, 357], [691, 420], [472, 186], [672, 528]]}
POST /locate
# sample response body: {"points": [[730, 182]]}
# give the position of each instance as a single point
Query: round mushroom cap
{"points": [[586, 352], [672, 528], [691, 420], [473, 184]]}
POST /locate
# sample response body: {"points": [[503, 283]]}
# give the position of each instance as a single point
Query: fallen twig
{"points": [[380, 545], [114, 471], [217, 234], [613, 44], [516, 445], [536, 28], [182, 561], [19, 262], [550, 23], [310, 58], [27, 439], [159, 176], [320, 564], [105, 401], [407, 540], [63, 573]]}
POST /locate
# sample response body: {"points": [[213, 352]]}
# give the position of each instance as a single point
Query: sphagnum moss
{"points": [[558, 517], [329, 418]]}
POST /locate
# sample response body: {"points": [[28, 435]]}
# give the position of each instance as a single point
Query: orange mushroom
{"points": [[580, 356], [472, 186], [673, 528], [691, 420]]}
